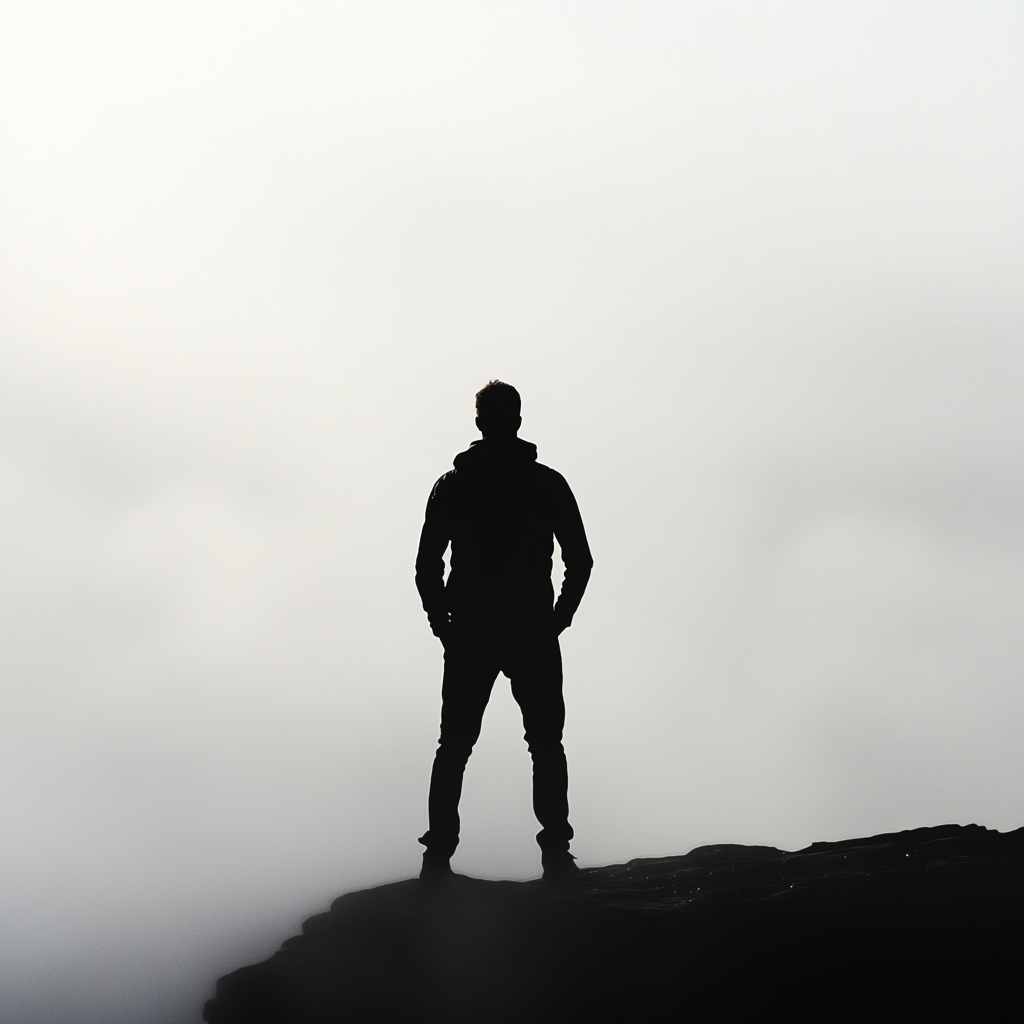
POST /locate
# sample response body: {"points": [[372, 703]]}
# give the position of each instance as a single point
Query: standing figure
{"points": [[501, 511]]}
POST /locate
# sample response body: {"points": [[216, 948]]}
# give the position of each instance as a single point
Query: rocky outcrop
{"points": [[923, 924]]}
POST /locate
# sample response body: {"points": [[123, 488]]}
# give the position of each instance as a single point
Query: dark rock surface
{"points": [[924, 924]]}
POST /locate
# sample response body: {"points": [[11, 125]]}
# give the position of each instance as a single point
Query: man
{"points": [[501, 510]]}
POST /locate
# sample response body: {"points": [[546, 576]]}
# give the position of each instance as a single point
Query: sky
{"points": [[756, 270]]}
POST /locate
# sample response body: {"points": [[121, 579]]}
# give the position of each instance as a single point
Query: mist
{"points": [[756, 272]]}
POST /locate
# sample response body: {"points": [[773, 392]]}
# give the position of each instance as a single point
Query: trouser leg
{"points": [[468, 678], [537, 687]]}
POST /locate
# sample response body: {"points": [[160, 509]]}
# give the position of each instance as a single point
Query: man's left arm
{"points": [[430, 560]]}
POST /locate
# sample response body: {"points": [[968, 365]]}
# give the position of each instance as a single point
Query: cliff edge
{"points": [[927, 923]]}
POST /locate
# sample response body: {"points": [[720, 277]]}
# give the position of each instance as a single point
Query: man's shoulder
{"points": [[443, 484], [550, 476]]}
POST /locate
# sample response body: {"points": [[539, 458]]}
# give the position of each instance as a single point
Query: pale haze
{"points": [[757, 271]]}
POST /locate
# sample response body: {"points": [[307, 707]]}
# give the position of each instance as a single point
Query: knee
{"points": [[453, 752], [545, 749]]}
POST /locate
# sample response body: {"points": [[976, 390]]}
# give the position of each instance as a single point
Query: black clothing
{"points": [[533, 662], [499, 508], [501, 511]]}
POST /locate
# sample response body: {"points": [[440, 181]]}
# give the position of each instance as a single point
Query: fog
{"points": [[756, 270]]}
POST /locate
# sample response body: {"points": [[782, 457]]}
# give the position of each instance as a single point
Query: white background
{"points": [[756, 270]]}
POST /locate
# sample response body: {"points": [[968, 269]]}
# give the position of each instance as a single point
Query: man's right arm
{"points": [[434, 538], [576, 556]]}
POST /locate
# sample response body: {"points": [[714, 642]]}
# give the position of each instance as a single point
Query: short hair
{"points": [[498, 404]]}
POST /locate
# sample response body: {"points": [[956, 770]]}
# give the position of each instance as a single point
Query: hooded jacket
{"points": [[501, 511]]}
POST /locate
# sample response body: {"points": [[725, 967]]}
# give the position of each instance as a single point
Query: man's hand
{"points": [[561, 624], [441, 626]]}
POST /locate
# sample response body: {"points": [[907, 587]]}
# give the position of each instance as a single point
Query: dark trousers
{"points": [[532, 660]]}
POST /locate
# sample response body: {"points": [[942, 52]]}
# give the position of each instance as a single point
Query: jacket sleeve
{"points": [[572, 539], [434, 538]]}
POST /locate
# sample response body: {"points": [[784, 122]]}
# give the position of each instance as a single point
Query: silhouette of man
{"points": [[501, 510]]}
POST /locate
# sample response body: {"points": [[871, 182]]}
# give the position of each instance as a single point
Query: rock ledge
{"points": [[923, 923]]}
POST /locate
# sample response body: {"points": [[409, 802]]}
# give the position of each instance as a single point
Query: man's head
{"points": [[497, 410]]}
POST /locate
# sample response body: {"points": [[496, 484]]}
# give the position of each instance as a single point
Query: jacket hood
{"points": [[488, 452]]}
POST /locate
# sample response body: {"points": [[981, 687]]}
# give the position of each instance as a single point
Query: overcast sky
{"points": [[757, 272]]}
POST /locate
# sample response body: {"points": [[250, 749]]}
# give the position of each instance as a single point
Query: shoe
{"points": [[560, 867], [436, 869]]}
